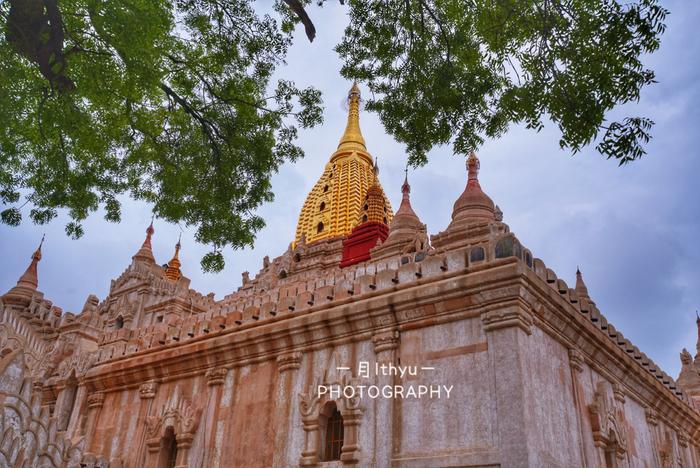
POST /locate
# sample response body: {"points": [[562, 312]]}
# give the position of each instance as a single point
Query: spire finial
{"points": [[405, 188], [352, 137], [473, 166], [37, 253]]}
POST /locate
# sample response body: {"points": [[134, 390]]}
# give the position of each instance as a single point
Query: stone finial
{"points": [[498, 214], [145, 253], [27, 284], [686, 358], [473, 204]]}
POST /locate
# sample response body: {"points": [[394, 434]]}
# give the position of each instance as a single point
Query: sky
{"points": [[634, 231]]}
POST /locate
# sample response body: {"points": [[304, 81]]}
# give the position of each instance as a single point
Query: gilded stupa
{"points": [[333, 206]]}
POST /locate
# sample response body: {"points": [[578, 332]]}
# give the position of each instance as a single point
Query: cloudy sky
{"points": [[634, 231]]}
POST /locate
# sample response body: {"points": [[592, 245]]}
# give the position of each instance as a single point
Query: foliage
{"points": [[461, 71], [167, 102], [171, 102]]}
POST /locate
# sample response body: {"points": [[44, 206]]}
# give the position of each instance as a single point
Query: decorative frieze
{"points": [[216, 376], [288, 361]]}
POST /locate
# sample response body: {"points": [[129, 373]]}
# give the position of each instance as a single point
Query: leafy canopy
{"points": [[174, 102]]}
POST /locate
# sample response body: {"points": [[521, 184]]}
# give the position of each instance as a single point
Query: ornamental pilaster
{"points": [[95, 401], [215, 379], [385, 344]]}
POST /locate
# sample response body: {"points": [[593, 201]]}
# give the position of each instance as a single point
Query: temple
{"points": [[497, 361]]}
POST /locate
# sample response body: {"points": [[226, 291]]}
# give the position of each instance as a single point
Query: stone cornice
{"points": [[485, 289], [422, 302], [568, 325]]}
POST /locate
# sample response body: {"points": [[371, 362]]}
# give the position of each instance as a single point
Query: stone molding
{"points": [[216, 376], [148, 390], [507, 318], [288, 361]]}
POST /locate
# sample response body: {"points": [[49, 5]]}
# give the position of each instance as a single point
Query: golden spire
{"points": [[352, 138], [172, 271], [333, 206]]}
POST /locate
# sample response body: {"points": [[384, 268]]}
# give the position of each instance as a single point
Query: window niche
{"points": [[170, 432], [167, 457], [332, 431], [331, 427]]}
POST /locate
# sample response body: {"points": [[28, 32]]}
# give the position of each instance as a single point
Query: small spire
{"points": [[697, 345], [145, 253], [28, 282], [406, 222], [172, 269], [352, 137], [473, 203], [581, 288]]}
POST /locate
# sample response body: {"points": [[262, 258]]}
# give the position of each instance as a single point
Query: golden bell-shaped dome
{"points": [[376, 207], [332, 208]]}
